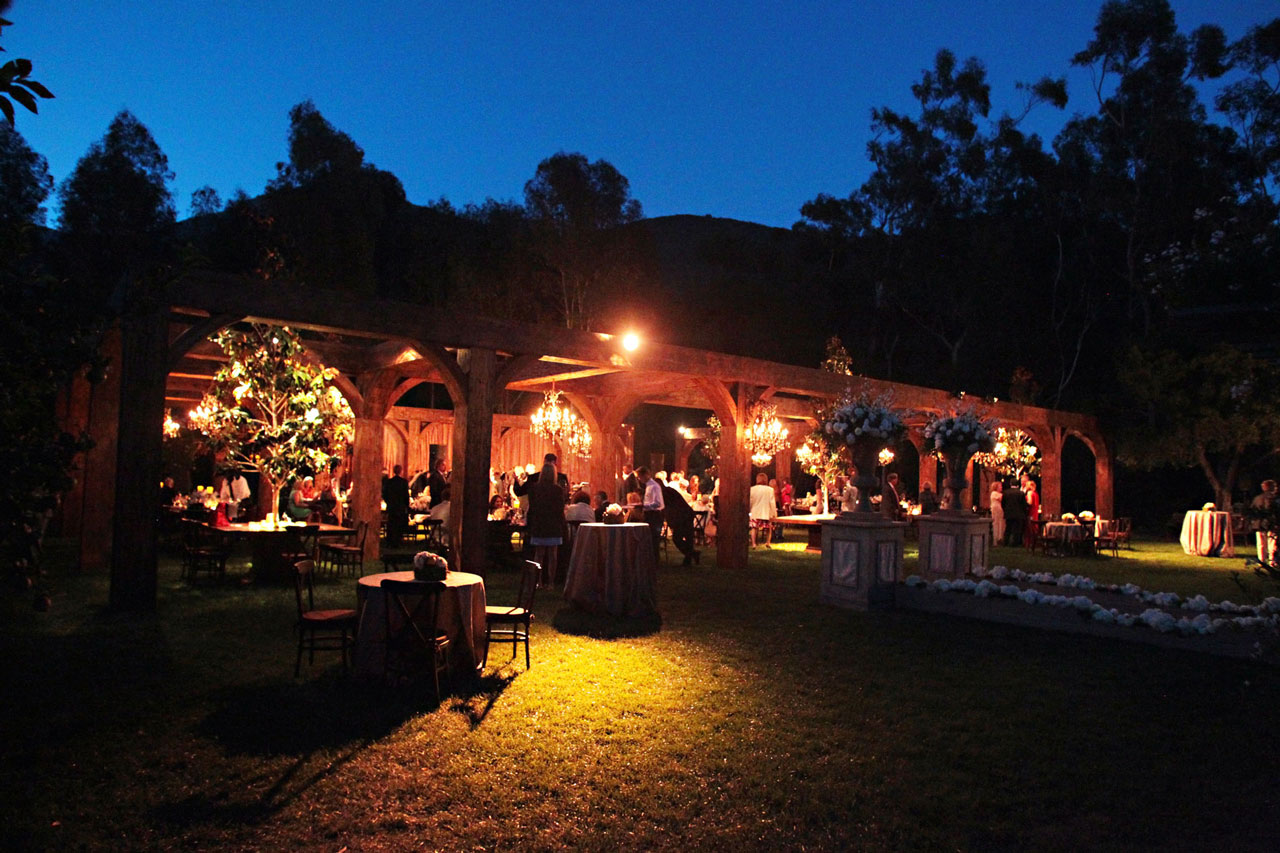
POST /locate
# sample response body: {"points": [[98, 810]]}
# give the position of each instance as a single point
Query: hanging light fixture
{"points": [[578, 441], [765, 436], [201, 417], [806, 455], [557, 423], [171, 427]]}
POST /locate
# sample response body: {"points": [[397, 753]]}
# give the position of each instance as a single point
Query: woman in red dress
{"points": [[1033, 515]]}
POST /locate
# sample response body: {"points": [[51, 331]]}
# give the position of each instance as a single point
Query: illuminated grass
{"points": [[753, 719]]}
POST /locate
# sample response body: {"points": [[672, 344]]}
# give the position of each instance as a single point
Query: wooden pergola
{"points": [[382, 348]]}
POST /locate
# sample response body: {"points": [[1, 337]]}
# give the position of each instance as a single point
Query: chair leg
{"points": [[488, 635], [527, 663]]}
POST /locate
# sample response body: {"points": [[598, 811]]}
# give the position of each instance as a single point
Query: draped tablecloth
{"points": [[1207, 534], [461, 617], [613, 570], [1065, 531]]}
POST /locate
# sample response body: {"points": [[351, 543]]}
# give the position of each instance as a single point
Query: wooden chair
{"points": [[700, 527], [1124, 526], [320, 630], [203, 550], [515, 617], [1106, 538], [339, 556], [413, 637]]}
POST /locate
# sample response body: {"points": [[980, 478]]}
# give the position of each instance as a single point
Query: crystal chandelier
{"points": [[201, 416], [171, 427], [765, 436], [557, 423], [806, 455]]}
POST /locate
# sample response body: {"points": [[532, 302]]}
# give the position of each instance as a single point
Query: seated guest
{"points": [[635, 508], [598, 503], [441, 510], [298, 509], [580, 509]]}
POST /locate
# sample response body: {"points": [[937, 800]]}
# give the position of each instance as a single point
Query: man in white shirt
{"points": [[653, 505], [235, 488], [764, 509]]}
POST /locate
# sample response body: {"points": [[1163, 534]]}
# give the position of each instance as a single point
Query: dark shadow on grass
{"points": [[476, 698], [602, 626]]}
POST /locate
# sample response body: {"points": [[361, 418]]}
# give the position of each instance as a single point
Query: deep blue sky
{"points": [[739, 109]]}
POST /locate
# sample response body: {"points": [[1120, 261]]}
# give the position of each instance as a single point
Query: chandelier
{"points": [[885, 457], [557, 423], [171, 427], [765, 436], [202, 416], [806, 455]]}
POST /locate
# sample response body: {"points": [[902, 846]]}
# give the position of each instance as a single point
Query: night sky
{"points": [[737, 109]]}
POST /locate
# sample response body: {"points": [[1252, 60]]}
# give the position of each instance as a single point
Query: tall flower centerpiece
{"points": [[272, 408], [861, 426], [956, 438]]}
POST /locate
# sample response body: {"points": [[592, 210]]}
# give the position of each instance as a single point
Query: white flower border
{"points": [[1254, 617]]}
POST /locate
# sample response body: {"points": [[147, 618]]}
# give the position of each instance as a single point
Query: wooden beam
{"points": [[557, 374]]}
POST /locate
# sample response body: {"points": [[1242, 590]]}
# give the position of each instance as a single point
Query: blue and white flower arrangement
{"points": [[964, 433], [864, 416]]}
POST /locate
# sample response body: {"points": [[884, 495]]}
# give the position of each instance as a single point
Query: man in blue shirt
{"points": [[653, 505]]}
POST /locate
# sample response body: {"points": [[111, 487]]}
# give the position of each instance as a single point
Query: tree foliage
{"points": [[25, 181], [1214, 410], [576, 208], [272, 408], [16, 83]]}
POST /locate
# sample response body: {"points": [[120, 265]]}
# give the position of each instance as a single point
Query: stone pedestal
{"points": [[861, 560], [951, 545]]}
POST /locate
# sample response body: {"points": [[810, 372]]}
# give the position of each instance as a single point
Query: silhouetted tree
{"points": [[15, 80], [576, 208], [25, 181], [205, 201]]}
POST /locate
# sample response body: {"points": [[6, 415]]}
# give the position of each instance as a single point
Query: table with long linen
{"points": [[613, 570], [272, 548], [1207, 534], [461, 617]]}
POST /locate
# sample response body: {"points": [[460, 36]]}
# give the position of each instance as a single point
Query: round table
{"points": [[461, 617], [613, 570], [1207, 534]]}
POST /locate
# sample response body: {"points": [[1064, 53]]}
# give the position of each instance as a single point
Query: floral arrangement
{"points": [[963, 432], [429, 567], [1257, 617], [614, 514], [864, 416]]}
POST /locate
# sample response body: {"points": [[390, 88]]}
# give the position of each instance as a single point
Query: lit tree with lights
{"points": [[272, 409], [1015, 454]]}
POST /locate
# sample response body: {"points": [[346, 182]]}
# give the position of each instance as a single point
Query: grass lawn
{"points": [[755, 718]]}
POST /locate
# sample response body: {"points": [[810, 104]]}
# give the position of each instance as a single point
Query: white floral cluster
{"points": [[863, 416], [963, 431], [1264, 616]]}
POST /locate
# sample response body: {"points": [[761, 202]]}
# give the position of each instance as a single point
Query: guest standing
{"points": [[1033, 515], [763, 510], [1015, 515], [545, 522], [652, 504], [928, 500], [679, 517], [889, 501], [997, 512], [1265, 503], [396, 493], [437, 481]]}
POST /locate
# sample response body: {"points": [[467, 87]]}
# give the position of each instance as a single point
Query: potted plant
{"points": [[860, 427], [955, 438]]}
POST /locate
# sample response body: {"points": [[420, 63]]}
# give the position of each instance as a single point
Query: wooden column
{"points": [[928, 465], [1104, 498], [472, 451], [144, 359], [1051, 473], [366, 483], [733, 538]]}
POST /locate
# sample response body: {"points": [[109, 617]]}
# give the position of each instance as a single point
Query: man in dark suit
{"points": [[679, 516], [521, 489], [396, 493], [630, 484], [889, 505], [437, 482], [1015, 514]]}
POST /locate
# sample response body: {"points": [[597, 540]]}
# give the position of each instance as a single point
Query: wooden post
{"points": [[366, 483], [472, 450], [733, 537], [1051, 473], [144, 360], [97, 495], [1104, 499]]}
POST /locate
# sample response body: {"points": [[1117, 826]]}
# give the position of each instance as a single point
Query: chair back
{"points": [[362, 531], [528, 584], [412, 614], [304, 579]]}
